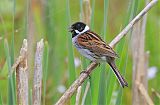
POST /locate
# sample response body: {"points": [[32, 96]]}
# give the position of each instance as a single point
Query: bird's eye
{"points": [[81, 29]]}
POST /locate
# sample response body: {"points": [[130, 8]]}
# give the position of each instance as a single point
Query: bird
{"points": [[90, 45]]}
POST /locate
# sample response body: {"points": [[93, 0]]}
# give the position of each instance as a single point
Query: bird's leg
{"points": [[86, 72], [96, 62]]}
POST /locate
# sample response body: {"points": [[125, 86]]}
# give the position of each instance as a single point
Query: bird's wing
{"points": [[94, 43]]}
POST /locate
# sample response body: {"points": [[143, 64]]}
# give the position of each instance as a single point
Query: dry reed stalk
{"points": [[139, 71], [37, 82], [78, 96], [85, 92], [144, 93], [155, 93], [140, 61], [22, 75], [86, 18], [86, 12], [71, 90]]}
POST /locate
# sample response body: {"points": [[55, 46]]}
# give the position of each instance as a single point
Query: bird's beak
{"points": [[70, 29]]}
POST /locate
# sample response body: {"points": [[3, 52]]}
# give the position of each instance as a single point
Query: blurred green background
{"points": [[50, 19]]}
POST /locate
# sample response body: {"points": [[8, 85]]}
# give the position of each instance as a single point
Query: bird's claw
{"points": [[98, 63], [86, 72]]}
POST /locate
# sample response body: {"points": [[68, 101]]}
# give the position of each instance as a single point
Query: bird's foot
{"points": [[98, 63], [86, 72]]}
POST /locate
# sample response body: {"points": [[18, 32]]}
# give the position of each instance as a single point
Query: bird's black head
{"points": [[78, 28]]}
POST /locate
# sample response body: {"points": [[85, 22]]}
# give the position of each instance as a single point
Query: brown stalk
{"points": [[140, 61], [144, 93], [139, 73], [22, 75], [37, 81], [86, 12], [72, 89]]}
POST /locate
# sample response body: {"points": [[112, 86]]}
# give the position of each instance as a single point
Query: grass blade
{"points": [[119, 97], [102, 86], [71, 66], [102, 83], [1, 101], [12, 49], [11, 92]]}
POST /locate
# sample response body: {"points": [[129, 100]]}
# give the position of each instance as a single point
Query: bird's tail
{"points": [[120, 78]]}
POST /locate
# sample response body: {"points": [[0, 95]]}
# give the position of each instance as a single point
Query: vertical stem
{"points": [[37, 82], [139, 61], [78, 95], [86, 18], [22, 75], [71, 66]]}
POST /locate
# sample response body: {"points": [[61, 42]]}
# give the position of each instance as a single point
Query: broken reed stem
{"points": [[22, 75], [144, 93], [67, 95], [37, 81], [155, 93]]}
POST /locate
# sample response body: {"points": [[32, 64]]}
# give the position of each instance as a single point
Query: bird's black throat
{"points": [[74, 34]]}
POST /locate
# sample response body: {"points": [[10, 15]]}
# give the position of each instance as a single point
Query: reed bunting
{"points": [[91, 45]]}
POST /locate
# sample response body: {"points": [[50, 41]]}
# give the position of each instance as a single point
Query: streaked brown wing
{"points": [[94, 43]]}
